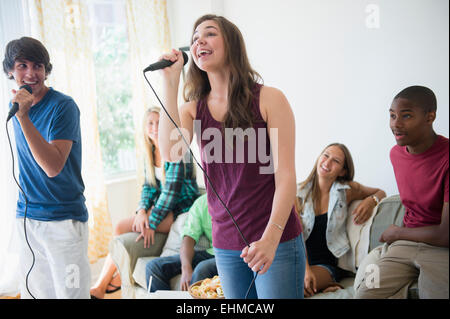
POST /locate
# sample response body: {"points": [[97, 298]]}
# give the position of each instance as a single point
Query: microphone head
{"points": [[26, 87], [15, 106], [185, 57]]}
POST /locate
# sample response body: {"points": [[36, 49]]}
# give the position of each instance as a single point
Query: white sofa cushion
{"points": [[173, 243], [359, 237], [139, 271]]}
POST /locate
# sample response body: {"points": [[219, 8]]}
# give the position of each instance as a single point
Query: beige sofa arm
{"points": [[125, 251]]}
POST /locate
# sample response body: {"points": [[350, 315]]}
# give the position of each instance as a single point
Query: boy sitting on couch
{"points": [[193, 265], [419, 249]]}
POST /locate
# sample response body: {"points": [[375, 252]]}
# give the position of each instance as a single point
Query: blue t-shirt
{"points": [[56, 117]]}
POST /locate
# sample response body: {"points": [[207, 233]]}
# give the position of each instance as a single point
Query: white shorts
{"points": [[61, 269]]}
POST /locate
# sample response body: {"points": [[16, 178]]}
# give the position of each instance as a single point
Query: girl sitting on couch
{"points": [[323, 199], [169, 190]]}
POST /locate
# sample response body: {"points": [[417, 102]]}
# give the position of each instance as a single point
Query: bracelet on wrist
{"points": [[278, 226]]}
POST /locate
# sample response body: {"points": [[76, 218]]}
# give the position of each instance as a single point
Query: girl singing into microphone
{"points": [[224, 95]]}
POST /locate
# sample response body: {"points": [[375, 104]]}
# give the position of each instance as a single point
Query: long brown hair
{"points": [[314, 190], [242, 77]]}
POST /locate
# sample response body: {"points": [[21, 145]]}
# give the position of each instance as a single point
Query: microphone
{"points": [[15, 106], [164, 63]]}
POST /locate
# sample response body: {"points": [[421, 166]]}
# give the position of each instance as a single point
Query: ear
{"points": [[431, 116], [343, 172]]}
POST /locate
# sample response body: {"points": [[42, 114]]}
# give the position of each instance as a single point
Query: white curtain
{"points": [[11, 27], [8, 197], [63, 27], [149, 38]]}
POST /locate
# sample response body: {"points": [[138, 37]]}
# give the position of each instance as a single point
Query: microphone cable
{"points": [[208, 179], [25, 213]]}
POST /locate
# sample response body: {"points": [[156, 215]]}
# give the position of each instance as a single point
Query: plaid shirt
{"points": [[176, 195]]}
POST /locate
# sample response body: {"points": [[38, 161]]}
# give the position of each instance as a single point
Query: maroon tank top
{"points": [[235, 168]]}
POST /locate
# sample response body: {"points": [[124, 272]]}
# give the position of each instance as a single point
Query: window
{"points": [[111, 61]]}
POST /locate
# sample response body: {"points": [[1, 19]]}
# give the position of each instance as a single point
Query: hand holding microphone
{"points": [[167, 60], [22, 97], [171, 76]]}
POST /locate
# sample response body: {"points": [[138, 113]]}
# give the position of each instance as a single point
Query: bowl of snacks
{"points": [[208, 288]]}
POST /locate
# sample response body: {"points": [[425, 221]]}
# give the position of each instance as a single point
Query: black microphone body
{"points": [[164, 63], [15, 106]]}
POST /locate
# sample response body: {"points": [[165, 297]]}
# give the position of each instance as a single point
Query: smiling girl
{"points": [[324, 198], [222, 91]]}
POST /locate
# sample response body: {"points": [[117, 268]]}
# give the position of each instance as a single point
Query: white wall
{"points": [[183, 13], [338, 68]]}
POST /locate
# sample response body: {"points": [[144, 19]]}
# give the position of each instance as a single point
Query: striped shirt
{"points": [[176, 195]]}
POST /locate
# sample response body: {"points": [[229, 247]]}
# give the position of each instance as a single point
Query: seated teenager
{"points": [[323, 201], [193, 265], [417, 251], [169, 190]]}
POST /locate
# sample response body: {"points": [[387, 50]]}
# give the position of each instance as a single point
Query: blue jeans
{"points": [[283, 280], [165, 268]]}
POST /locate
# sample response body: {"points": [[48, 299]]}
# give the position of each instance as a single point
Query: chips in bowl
{"points": [[208, 288]]}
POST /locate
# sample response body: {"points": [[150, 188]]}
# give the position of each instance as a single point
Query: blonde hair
{"points": [[149, 148]]}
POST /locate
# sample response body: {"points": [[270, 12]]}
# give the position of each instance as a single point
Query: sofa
{"points": [[131, 257]]}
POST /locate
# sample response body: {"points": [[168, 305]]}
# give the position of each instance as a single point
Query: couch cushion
{"points": [[171, 247], [139, 274], [139, 271], [173, 243], [359, 238]]}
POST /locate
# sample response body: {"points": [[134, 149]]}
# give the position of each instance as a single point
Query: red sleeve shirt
{"points": [[422, 181]]}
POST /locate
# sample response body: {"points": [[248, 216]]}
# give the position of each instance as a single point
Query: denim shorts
{"points": [[283, 280], [335, 272]]}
